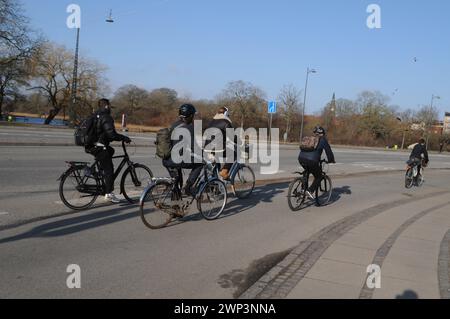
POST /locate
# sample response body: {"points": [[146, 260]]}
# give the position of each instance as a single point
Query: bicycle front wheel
{"points": [[134, 181], [77, 191], [324, 192], [212, 199], [244, 182], [156, 205]]}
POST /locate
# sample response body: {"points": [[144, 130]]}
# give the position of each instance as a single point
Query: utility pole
{"points": [[308, 72], [73, 98]]}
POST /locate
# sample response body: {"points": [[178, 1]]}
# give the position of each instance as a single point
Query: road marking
{"points": [[4, 213]]}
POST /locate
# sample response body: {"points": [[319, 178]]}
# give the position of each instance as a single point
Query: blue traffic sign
{"points": [[272, 109]]}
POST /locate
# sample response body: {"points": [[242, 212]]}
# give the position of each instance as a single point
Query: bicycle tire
{"points": [[252, 183], [64, 198], [324, 192], [205, 195], [294, 194], [149, 204], [147, 179], [409, 180]]}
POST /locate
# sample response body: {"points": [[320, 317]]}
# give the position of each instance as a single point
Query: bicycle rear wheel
{"points": [[297, 194], [134, 181], [156, 205], [77, 191], [325, 191], [409, 179], [244, 182], [212, 199]]}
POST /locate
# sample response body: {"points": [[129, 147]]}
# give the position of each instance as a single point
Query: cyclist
{"points": [[223, 122], [102, 151], [416, 156], [186, 121], [310, 160]]}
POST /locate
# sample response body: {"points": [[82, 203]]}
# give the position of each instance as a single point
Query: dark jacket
{"points": [[106, 130], [316, 155], [417, 152], [222, 123], [190, 127]]}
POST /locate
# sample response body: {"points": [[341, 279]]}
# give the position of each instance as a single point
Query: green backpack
{"points": [[164, 143]]}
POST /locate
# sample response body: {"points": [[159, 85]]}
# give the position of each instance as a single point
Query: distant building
{"points": [[447, 123]]}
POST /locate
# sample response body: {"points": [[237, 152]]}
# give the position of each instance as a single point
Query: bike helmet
{"points": [[187, 110], [319, 130]]}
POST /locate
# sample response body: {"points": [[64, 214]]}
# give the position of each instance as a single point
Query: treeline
{"points": [[36, 76]]}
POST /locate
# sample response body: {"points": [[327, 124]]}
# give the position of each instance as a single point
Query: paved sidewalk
{"points": [[408, 239]]}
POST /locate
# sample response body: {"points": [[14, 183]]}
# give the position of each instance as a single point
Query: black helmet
{"points": [[318, 130], [187, 110]]}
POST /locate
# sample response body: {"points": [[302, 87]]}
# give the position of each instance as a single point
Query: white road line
{"points": [[4, 213]]}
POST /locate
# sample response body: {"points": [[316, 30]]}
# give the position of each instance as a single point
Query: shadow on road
{"points": [[263, 194]]}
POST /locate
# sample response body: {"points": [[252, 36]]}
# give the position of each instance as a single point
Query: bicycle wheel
{"points": [[77, 191], [297, 194], [409, 179], [134, 181], [156, 205], [325, 191], [212, 199], [244, 182]]}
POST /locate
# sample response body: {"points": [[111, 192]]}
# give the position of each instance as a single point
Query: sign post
{"points": [[272, 109]]}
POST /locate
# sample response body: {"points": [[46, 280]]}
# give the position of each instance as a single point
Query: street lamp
{"points": [[430, 119], [308, 72]]}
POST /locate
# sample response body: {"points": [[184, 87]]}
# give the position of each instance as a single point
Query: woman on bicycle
{"points": [[311, 152]]}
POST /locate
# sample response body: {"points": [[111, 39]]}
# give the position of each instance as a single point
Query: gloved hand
{"points": [[126, 139]]}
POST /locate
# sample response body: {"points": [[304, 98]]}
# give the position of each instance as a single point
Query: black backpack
{"points": [[86, 133]]}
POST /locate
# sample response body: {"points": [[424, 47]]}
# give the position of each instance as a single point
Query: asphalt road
{"points": [[119, 257]]}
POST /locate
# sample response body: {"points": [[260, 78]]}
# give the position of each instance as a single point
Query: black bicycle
{"points": [[412, 176], [299, 197], [82, 183], [163, 200]]}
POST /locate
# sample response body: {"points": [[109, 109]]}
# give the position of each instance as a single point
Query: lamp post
{"points": [[430, 120], [308, 72], [73, 97]]}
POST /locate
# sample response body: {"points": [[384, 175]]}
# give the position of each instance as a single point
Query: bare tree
{"points": [[52, 76], [16, 47], [290, 100], [246, 99]]}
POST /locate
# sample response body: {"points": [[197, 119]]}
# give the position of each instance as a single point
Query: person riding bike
{"points": [[185, 121], [223, 122], [310, 159], [102, 151], [418, 154]]}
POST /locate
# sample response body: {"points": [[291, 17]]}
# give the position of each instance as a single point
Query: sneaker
{"points": [[112, 198]]}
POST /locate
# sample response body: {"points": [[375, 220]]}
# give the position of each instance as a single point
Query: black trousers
{"points": [[104, 157], [173, 169], [314, 168]]}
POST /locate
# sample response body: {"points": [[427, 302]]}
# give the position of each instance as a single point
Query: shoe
{"points": [[225, 174], [112, 198]]}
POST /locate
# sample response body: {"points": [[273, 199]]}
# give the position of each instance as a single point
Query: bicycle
{"points": [[82, 183], [162, 201], [241, 179], [412, 176], [299, 196]]}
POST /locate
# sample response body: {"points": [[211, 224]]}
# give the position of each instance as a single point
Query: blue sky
{"points": [[197, 46]]}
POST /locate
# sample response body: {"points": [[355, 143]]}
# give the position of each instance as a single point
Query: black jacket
{"points": [[106, 130], [190, 127], [222, 123], [417, 152], [316, 155]]}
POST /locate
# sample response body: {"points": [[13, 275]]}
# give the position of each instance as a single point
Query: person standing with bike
{"points": [[418, 154], [102, 151], [311, 153]]}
